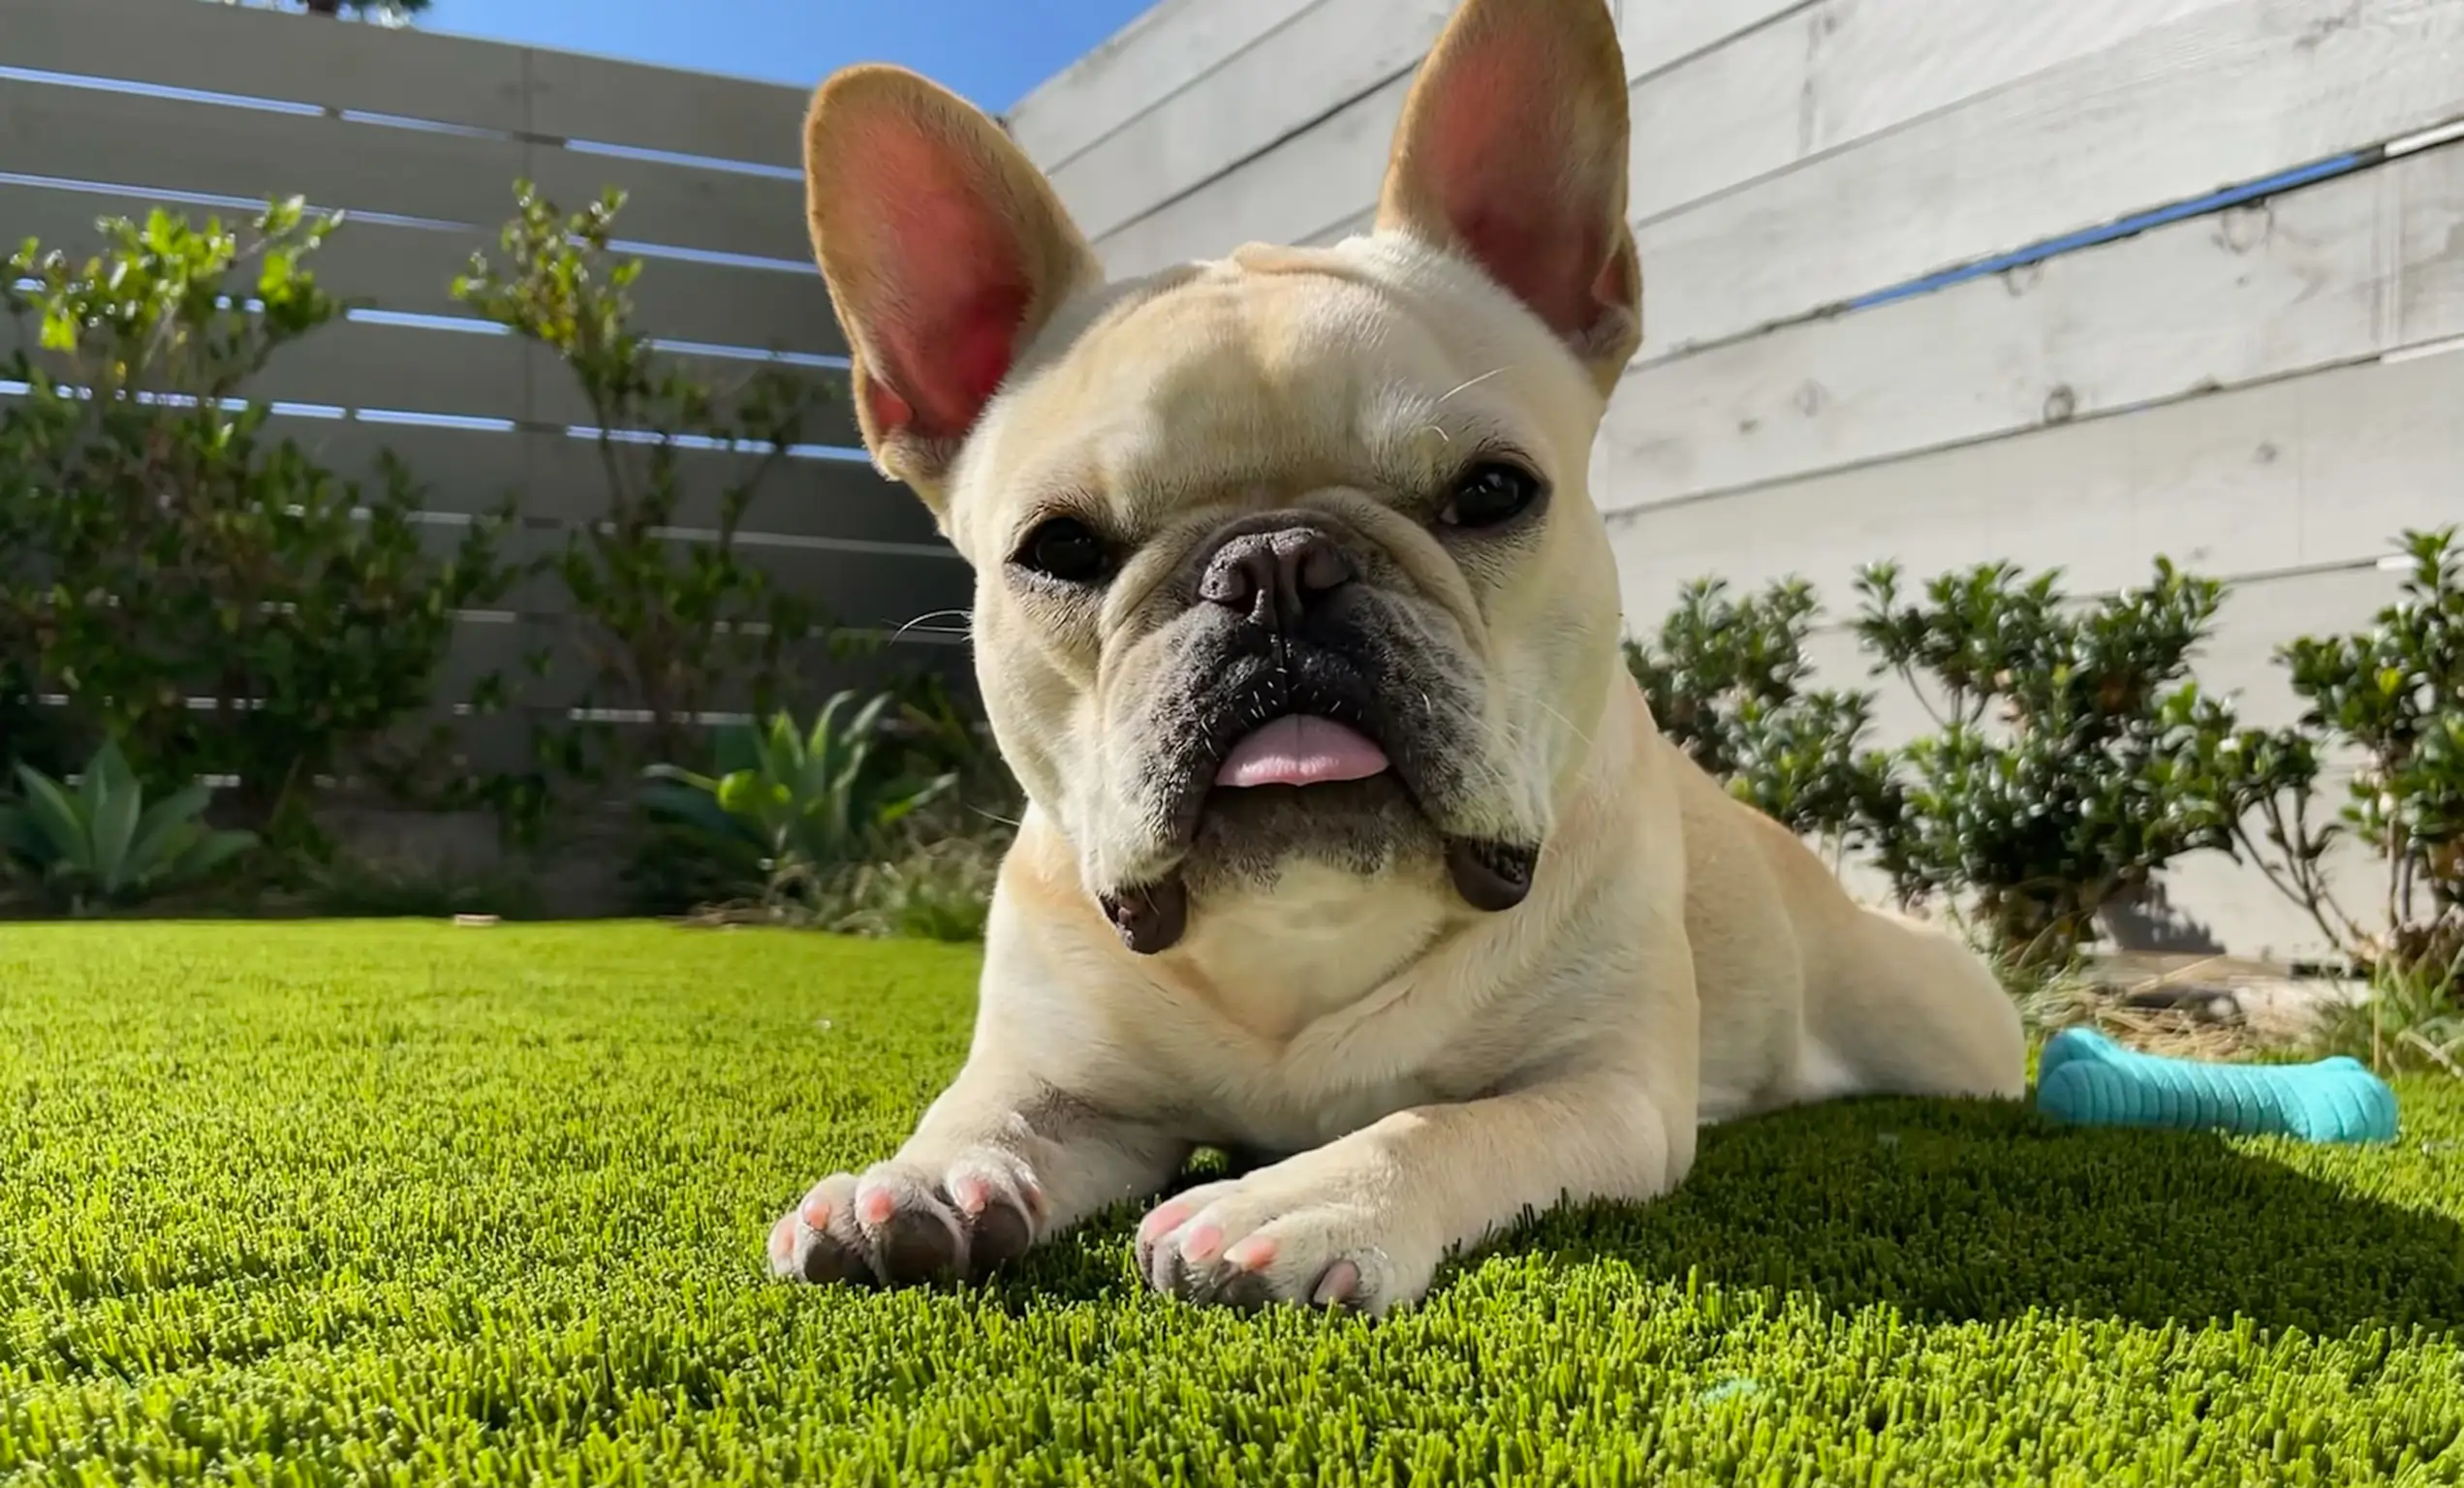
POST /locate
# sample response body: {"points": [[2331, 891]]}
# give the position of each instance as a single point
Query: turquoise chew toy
{"points": [[2087, 1079]]}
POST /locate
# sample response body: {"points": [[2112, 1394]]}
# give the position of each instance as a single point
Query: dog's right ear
{"points": [[944, 250]]}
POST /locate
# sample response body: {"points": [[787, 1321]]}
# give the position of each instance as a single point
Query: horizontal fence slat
{"points": [[261, 54], [130, 140], [557, 394], [1302, 186], [573, 96], [1257, 90], [2333, 273], [2228, 91], [558, 478], [1169, 48], [374, 365], [1840, 70], [1322, 59], [1655, 34], [2232, 93], [140, 141], [719, 304], [2312, 472], [365, 364], [865, 591], [411, 268], [854, 590], [408, 73], [681, 206], [572, 654]]}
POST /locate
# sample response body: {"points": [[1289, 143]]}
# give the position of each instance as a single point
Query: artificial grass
{"points": [[408, 1203]]}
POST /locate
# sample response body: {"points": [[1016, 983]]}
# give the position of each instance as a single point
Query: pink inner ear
{"points": [[958, 286], [1496, 154]]}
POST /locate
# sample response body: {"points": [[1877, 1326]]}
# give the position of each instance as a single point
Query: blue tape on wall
{"points": [[2072, 242]]}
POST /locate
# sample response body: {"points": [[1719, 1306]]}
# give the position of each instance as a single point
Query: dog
{"points": [[1352, 845]]}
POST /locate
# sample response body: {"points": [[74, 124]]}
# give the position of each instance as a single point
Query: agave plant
{"points": [[99, 844], [797, 805]]}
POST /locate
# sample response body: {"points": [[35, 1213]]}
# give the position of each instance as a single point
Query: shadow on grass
{"points": [[1957, 1212]]}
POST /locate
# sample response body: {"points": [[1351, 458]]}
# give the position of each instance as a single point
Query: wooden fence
{"points": [[1944, 281], [109, 107]]}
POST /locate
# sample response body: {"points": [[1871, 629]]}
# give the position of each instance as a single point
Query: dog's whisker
{"points": [[1466, 386], [1569, 723], [917, 625]]}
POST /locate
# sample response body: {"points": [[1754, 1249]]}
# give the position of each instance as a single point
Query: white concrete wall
{"points": [[2256, 390]]}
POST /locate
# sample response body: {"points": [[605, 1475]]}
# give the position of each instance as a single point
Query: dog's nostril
{"points": [[1319, 567], [1274, 578]]}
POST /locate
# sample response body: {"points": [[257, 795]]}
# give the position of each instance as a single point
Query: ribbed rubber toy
{"points": [[2087, 1079]]}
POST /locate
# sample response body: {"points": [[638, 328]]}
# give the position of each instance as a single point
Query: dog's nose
{"points": [[1275, 578]]}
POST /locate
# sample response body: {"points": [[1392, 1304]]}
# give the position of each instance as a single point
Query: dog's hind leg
{"points": [[1894, 1007]]}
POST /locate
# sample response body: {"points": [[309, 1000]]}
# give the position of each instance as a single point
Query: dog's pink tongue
{"points": [[1300, 750]]}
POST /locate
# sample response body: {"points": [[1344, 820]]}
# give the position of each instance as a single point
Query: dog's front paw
{"points": [[905, 1222], [1299, 1231]]}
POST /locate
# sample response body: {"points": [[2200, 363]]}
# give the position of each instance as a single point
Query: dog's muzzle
{"points": [[1292, 648]]}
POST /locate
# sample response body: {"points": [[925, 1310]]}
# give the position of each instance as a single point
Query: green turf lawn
{"points": [[397, 1203]]}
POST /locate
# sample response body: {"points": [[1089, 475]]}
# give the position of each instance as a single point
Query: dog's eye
{"points": [[1067, 549], [1490, 493]]}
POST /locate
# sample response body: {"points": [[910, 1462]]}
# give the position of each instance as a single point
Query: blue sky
{"points": [[993, 51]]}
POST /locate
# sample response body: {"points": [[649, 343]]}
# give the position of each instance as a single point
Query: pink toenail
{"points": [[1204, 1243], [1251, 1253], [971, 1192], [1341, 1281], [1163, 1221], [875, 1207], [816, 1212], [783, 1239]]}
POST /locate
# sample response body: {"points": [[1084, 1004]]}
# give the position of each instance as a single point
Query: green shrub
{"points": [[1726, 680], [2394, 694], [28, 732], [938, 889], [2072, 760], [789, 809], [664, 627], [98, 845], [157, 544]]}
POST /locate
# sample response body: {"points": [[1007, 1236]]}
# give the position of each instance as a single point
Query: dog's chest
{"points": [[1291, 1039], [1275, 965]]}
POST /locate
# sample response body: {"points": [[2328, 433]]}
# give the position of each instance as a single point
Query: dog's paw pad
{"points": [[804, 1253], [898, 1225], [1270, 1239]]}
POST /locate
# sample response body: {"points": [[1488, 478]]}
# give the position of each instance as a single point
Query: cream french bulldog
{"points": [[1352, 845]]}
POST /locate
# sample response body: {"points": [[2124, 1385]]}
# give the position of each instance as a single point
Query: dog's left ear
{"points": [[1513, 153]]}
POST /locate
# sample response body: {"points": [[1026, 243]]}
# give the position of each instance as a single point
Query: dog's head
{"points": [[1289, 555]]}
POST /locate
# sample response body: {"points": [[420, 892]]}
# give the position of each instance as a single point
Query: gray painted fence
{"points": [[109, 107], [2257, 389]]}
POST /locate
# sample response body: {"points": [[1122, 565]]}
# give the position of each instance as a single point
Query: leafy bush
{"points": [[938, 889], [2073, 756], [2394, 695], [668, 627], [2411, 1019], [1726, 679], [158, 545], [28, 732], [98, 845], [791, 809]]}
